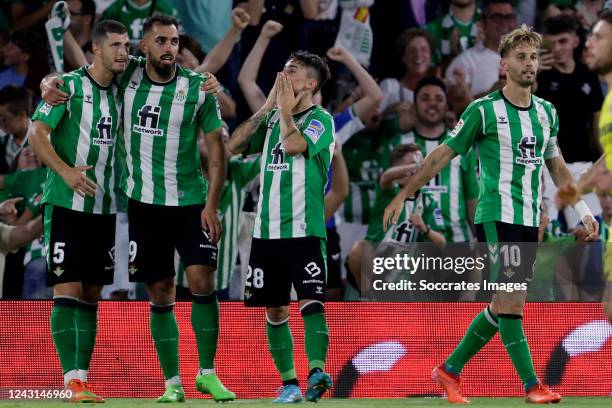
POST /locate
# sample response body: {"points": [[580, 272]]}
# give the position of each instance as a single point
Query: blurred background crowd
{"points": [[380, 53]]}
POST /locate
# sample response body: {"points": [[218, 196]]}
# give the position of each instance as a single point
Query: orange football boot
{"points": [[450, 383]]}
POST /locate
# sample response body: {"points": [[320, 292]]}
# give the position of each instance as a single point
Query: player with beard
{"points": [[164, 108], [515, 132]]}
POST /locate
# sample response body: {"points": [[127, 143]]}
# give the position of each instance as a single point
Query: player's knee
{"points": [[312, 307], [201, 278], [277, 315], [507, 307], [162, 292]]}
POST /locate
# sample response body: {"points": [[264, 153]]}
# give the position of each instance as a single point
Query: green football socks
{"points": [[86, 328], [205, 323], [316, 335], [513, 338], [481, 331], [280, 343], [164, 331], [63, 331]]}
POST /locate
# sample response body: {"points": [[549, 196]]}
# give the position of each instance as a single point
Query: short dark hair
{"points": [[410, 34], [161, 19], [606, 15], [488, 3], [192, 45], [431, 80], [315, 62], [399, 151], [103, 28], [88, 8], [17, 99], [26, 40], [560, 24]]}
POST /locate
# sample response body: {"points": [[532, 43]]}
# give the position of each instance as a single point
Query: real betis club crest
{"points": [[58, 271]]}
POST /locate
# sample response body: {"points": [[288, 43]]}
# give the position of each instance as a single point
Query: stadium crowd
{"points": [[398, 85]]}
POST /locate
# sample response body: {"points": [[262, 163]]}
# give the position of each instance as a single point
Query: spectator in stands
{"points": [[193, 57], [15, 108], [133, 13], [456, 31], [574, 90], [320, 27], [17, 54], [82, 16], [481, 63], [415, 47], [207, 21], [27, 182], [30, 15], [388, 20], [11, 239]]}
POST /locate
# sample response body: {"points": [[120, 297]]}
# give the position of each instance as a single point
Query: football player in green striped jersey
{"points": [[77, 140], [516, 133], [165, 107], [295, 138]]}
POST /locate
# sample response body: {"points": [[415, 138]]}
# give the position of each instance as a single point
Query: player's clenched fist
{"points": [[338, 54], [271, 28], [240, 18]]}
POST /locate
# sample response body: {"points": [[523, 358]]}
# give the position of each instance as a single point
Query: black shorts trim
{"points": [[277, 264], [156, 231], [81, 246]]}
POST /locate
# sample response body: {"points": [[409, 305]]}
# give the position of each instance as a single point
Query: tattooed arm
{"points": [[242, 135]]}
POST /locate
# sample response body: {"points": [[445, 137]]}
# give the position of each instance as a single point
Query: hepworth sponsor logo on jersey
{"points": [[148, 119], [278, 159], [314, 130]]}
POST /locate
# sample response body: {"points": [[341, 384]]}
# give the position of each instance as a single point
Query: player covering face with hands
{"points": [[295, 138], [515, 133]]}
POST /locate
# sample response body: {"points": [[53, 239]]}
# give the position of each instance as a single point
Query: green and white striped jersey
{"points": [[84, 133], [292, 187], [367, 155], [423, 204], [28, 184], [513, 143], [160, 135], [240, 172], [452, 187], [441, 31]]}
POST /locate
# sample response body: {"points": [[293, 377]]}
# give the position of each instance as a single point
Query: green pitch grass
{"points": [[331, 403]]}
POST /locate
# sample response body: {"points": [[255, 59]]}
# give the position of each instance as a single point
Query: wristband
{"points": [[427, 231], [583, 210]]}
